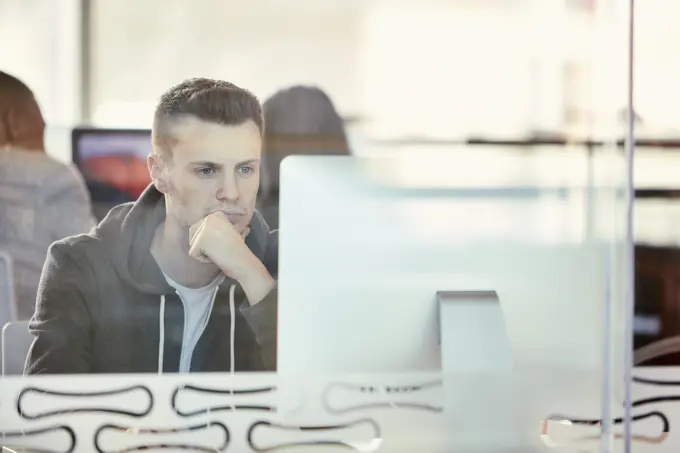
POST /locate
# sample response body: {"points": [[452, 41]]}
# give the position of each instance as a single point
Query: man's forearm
{"points": [[256, 282]]}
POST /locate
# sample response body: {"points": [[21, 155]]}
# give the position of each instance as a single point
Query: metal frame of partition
{"points": [[630, 246]]}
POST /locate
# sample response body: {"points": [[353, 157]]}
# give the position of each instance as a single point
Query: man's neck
{"points": [[170, 249]]}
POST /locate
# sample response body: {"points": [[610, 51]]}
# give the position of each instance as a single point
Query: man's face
{"points": [[212, 168]]}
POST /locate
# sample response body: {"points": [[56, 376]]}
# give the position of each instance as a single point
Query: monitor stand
{"points": [[472, 333], [484, 400]]}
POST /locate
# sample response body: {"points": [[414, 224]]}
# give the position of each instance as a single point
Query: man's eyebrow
{"points": [[246, 162], [205, 163]]}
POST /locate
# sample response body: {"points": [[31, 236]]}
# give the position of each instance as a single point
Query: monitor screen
{"points": [[113, 163]]}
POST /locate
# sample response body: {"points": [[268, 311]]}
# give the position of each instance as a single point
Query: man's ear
{"points": [[158, 172]]}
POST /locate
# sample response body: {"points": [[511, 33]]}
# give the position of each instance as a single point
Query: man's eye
{"points": [[206, 171], [246, 170]]}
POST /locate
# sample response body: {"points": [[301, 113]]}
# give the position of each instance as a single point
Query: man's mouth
{"points": [[234, 218]]}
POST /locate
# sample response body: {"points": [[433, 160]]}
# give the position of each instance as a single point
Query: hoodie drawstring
{"points": [[232, 329], [161, 337]]}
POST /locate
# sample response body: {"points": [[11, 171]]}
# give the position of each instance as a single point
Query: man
{"points": [[183, 279], [41, 200]]}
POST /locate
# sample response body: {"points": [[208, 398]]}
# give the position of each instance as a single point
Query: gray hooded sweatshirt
{"points": [[104, 306]]}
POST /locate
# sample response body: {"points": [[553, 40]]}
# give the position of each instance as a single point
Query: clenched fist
{"points": [[215, 240]]}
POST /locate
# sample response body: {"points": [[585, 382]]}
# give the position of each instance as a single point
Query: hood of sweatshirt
{"points": [[129, 229]]}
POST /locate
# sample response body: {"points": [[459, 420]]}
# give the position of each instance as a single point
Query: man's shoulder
{"points": [[78, 247], [72, 246], [100, 242]]}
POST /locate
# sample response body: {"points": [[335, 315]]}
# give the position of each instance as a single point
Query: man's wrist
{"points": [[255, 281]]}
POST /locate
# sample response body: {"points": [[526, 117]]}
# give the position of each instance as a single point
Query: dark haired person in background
{"points": [[41, 200], [184, 278], [300, 120]]}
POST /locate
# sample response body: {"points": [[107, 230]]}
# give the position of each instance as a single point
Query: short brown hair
{"points": [[214, 101]]}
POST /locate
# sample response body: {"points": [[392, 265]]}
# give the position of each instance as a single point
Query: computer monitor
{"points": [[363, 258], [113, 163]]}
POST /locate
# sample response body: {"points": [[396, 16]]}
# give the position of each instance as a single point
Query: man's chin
{"points": [[247, 221], [242, 227]]}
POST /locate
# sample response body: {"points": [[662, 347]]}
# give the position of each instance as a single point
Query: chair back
{"points": [[16, 342]]}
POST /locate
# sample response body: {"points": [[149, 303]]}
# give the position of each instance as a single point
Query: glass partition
{"points": [[453, 273]]}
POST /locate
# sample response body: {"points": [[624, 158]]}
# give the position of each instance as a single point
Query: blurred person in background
{"points": [[41, 200], [182, 280], [300, 120]]}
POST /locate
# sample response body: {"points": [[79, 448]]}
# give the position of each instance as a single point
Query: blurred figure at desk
{"points": [[299, 120], [41, 200]]}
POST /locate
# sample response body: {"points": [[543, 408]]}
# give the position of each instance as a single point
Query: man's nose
{"points": [[228, 189]]}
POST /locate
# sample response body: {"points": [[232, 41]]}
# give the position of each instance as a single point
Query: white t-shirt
{"points": [[198, 303]]}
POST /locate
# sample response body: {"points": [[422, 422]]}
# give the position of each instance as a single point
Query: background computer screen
{"points": [[113, 163]]}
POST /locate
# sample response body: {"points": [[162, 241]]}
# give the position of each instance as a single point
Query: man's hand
{"points": [[215, 240]]}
